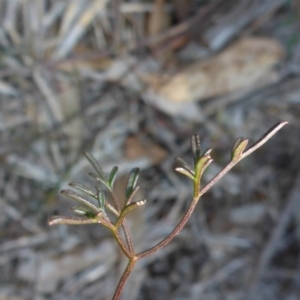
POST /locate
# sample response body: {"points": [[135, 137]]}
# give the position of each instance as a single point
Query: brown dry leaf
{"points": [[135, 149], [85, 64], [246, 65]]}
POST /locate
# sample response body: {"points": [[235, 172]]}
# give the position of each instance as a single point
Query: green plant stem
{"points": [[181, 224], [116, 235], [124, 278], [127, 210], [122, 244], [124, 225]]}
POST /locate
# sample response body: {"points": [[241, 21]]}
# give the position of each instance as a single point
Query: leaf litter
{"points": [[70, 84]]}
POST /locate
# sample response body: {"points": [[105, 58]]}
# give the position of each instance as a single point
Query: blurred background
{"points": [[130, 81]]}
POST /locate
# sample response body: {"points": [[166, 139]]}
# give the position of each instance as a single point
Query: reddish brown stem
{"points": [[177, 229], [217, 177], [127, 236], [124, 278], [254, 147], [122, 244]]}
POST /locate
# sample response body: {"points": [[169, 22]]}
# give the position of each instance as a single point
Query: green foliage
{"points": [[91, 213]]}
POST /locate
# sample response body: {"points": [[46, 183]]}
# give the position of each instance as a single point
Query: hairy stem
{"points": [[122, 244], [272, 131], [124, 278], [215, 179], [127, 236], [124, 224], [177, 229], [99, 215], [199, 192], [254, 147]]}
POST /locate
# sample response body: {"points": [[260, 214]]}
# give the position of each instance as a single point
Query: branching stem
{"points": [[124, 225], [254, 147], [201, 162], [177, 229], [121, 244], [215, 179]]}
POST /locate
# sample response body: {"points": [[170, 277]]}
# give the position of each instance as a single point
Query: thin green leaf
{"points": [[79, 210], [195, 144], [95, 165], [132, 195], [201, 165], [83, 212], [185, 172], [96, 177], [80, 199], [236, 143], [112, 176], [70, 221], [83, 188], [237, 151], [132, 181], [184, 165], [101, 199]]}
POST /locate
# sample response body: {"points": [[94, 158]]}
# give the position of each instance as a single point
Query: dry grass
{"points": [[72, 79]]}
